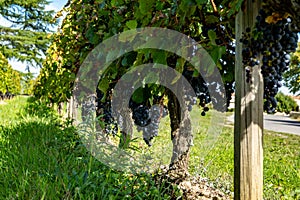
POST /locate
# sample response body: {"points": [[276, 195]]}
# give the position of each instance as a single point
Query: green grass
{"points": [[9, 110], [211, 155], [281, 166], [42, 157], [281, 158]]}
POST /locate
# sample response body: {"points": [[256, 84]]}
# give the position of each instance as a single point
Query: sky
{"points": [[58, 5]]}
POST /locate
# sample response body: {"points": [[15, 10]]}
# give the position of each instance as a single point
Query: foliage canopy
{"points": [[27, 38], [292, 76], [9, 78], [88, 23]]}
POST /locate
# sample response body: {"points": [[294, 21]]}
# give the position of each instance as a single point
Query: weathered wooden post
{"points": [[248, 129]]}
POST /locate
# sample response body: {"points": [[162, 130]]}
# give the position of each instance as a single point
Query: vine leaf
{"points": [[235, 7], [212, 36], [138, 95], [201, 1], [92, 36], [145, 6], [211, 19], [180, 65], [159, 57], [131, 24], [103, 85], [217, 52], [127, 36]]}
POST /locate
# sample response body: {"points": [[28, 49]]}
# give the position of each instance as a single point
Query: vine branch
{"points": [[214, 6]]}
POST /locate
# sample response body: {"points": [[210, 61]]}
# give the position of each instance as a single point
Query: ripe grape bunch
{"points": [[145, 117], [148, 118], [274, 41], [200, 88], [105, 113]]}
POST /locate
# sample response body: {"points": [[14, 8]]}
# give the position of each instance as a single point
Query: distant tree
{"points": [[285, 103], [9, 78], [27, 83], [28, 37], [292, 76]]}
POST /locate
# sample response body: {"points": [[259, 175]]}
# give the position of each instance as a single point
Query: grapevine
{"points": [[210, 23]]}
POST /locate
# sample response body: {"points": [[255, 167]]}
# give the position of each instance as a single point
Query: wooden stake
{"points": [[248, 128]]}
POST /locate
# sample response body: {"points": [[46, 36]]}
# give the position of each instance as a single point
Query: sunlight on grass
{"points": [[42, 156], [8, 109], [281, 165]]}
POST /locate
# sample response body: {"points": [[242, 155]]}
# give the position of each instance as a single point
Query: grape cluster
{"points": [[111, 126], [105, 113], [145, 117], [190, 101], [148, 118], [224, 37], [140, 113], [229, 89], [274, 42], [200, 88], [156, 112]]}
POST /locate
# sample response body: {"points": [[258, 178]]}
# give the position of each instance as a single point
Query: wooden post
{"points": [[71, 105], [248, 128]]}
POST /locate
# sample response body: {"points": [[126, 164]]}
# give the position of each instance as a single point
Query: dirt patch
{"points": [[199, 188], [191, 187]]}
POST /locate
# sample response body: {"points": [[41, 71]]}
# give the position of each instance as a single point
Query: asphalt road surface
{"points": [[278, 123]]}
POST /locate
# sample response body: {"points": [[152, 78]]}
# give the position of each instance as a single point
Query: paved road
{"points": [[278, 123]]}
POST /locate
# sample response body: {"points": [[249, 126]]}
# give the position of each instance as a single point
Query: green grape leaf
{"points": [[212, 36], [145, 6], [211, 19], [195, 73], [180, 65], [159, 57], [92, 36], [217, 52], [131, 24], [103, 85], [138, 95], [124, 61], [127, 36], [201, 1], [235, 7]]}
